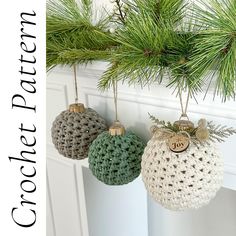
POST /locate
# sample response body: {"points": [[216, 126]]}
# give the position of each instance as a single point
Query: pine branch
{"points": [[150, 48], [87, 6], [111, 74], [155, 37], [167, 10], [140, 51], [215, 46], [70, 29], [179, 54], [78, 56], [158, 122]]}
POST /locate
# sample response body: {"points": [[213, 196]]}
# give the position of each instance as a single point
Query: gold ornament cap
{"points": [[77, 108], [116, 129], [184, 123]]}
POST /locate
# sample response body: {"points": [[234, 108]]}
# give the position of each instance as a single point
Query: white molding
{"points": [[59, 87], [78, 166], [147, 96], [82, 200], [166, 103], [229, 176], [50, 205], [72, 180], [230, 169]]}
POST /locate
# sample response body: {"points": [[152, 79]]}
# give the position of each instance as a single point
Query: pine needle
{"points": [[71, 28], [153, 38], [141, 55], [215, 47]]}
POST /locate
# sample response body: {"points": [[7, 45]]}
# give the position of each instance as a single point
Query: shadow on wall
{"points": [[216, 219], [115, 210]]}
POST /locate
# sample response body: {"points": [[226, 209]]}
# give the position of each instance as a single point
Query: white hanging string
{"points": [[76, 86], [115, 92], [184, 108]]}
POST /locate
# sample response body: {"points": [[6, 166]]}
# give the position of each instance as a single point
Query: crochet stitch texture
{"points": [[116, 160], [181, 181], [73, 132]]}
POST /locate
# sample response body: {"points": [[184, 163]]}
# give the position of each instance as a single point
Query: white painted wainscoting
{"points": [[80, 205]]}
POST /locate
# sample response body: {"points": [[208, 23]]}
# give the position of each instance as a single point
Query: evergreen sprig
{"points": [[170, 126], [219, 133], [216, 133]]}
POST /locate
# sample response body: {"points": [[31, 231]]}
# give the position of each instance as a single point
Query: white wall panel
{"points": [[49, 213], [115, 210], [64, 197]]}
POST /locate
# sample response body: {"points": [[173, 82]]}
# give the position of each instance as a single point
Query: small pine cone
{"points": [[202, 134], [202, 123], [112, 30]]}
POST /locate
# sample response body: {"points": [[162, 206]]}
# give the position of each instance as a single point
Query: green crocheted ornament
{"points": [[116, 160]]}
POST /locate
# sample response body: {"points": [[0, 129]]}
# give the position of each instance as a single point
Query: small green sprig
{"points": [[170, 126], [200, 134], [220, 132]]}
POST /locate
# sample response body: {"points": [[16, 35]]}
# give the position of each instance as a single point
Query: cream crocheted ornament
{"points": [[180, 181]]}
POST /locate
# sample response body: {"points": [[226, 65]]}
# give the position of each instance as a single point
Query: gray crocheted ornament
{"points": [[116, 160], [73, 132]]}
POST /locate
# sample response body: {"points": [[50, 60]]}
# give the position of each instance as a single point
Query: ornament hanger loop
{"points": [[76, 107], [116, 128], [184, 108], [115, 92], [183, 117], [76, 86], [184, 123]]}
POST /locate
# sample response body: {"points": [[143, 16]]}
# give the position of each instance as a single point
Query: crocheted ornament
{"points": [[75, 129], [180, 181], [116, 159]]}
